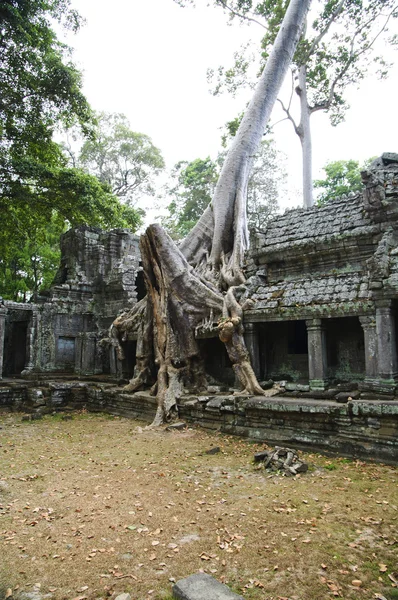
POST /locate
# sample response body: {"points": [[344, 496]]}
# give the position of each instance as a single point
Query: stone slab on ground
{"points": [[202, 587]]}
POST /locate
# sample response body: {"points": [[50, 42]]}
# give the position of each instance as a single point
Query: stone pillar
{"points": [[116, 366], [370, 341], [30, 345], [386, 345], [317, 362], [86, 353], [252, 345], [3, 312]]}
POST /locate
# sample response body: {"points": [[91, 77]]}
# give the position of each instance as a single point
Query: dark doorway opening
{"points": [[128, 363], [284, 351], [345, 349], [140, 286], [16, 359], [217, 363]]}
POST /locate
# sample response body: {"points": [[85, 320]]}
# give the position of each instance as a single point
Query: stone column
{"points": [[30, 345], [88, 347], [317, 362], [386, 345], [3, 312], [370, 341], [252, 344]]}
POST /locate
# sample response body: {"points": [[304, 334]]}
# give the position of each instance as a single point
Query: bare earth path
{"points": [[96, 506]]}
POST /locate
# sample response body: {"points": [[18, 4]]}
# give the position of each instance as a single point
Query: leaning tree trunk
{"points": [[200, 283]]}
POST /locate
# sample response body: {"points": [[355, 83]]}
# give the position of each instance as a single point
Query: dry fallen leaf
{"points": [[383, 568]]}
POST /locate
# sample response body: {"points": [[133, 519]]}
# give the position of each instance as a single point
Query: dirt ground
{"points": [[95, 506]]}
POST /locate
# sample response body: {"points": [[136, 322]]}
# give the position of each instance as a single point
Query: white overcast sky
{"points": [[148, 60]]}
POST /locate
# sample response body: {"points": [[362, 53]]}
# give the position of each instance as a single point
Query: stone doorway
{"points": [[284, 351], [15, 352], [345, 349], [217, 363]]}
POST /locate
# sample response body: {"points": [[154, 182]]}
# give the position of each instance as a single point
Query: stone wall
{"points": [[357, 428]]}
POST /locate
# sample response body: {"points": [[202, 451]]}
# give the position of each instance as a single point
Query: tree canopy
{"points": [[41, 90], [338, 48], [342, 177], [123, 159]]}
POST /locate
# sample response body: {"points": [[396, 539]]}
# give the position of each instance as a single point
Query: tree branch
{"points": [[289, 116], [353, 56], [333, 17], [240, 15]]}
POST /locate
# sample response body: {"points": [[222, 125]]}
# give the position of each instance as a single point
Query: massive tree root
{"points": [[178, 303], [198, 284]]}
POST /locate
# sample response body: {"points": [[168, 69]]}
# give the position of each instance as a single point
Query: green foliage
{"points": [[267, 177], [194, 184], [335, 49], [124, 160], [31, 268], [40, 90], [342, 177], [191, 191]]}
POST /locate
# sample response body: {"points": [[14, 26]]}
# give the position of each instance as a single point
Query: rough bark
{"points": [[199, 284]]}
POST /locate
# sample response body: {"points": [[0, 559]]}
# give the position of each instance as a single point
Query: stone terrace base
{"points": [[359, 428]]}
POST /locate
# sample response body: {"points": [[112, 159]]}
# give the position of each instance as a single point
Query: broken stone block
{"points": [[202, 587], [176, 426], [343, 397], [260, 456], [215, 450], [214, 389]]}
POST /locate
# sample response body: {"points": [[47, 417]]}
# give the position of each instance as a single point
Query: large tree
{"points": [[338, 48], [123, 159], [191, 286]]}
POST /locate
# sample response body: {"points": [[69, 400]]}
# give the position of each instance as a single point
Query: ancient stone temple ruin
{"points": [[98, 276], [324, 325], [325, 284]]}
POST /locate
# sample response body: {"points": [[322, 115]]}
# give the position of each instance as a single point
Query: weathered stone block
{"points": [[202, 587]]}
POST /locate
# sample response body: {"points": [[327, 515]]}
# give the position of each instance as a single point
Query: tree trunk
{"points": [[200, 283], [304, 133], [225, 237]]}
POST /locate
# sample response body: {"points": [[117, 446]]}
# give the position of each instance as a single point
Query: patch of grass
{"points": [[99, 502], [331, 467]]}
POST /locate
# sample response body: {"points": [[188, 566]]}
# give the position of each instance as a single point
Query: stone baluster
{"points": [[3, 312], [30, 344], [386, 345], [252, 345], [370, 342], [317, 362]]}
